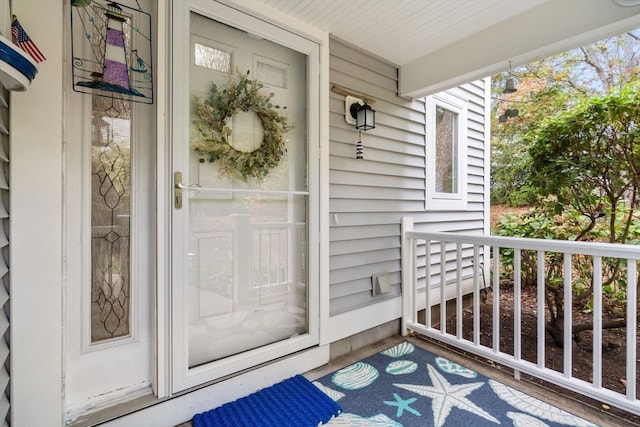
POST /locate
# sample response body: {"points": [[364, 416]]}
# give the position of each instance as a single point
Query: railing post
{"points": [[517, 309], [597, 322], [459, 261], [408, 276], [568, 316], [496, 299], [476, 295], [541, 309], [632, 307]]}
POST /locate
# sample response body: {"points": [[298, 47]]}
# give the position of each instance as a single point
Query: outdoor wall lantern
{"points": [[365, 115], [365, 120], [358, 112]]}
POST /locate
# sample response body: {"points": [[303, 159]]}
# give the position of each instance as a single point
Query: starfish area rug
{"points": [[408, 386]]}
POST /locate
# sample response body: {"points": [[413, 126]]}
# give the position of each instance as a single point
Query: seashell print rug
{"points": [[408, 386]]}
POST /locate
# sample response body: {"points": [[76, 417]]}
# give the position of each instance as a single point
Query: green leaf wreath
{"points": [[213, 131]]}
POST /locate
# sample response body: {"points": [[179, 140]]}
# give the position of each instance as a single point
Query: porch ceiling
{"points": [[401, 31], [438, 44]]}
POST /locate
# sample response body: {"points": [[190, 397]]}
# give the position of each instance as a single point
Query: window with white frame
{"points": [[446, 152]]}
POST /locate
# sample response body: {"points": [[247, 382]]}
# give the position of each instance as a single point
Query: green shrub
{"points": [[541, 223]]}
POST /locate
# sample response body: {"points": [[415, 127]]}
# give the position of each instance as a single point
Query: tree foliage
{"points": [[589, 157], [547, 88], [573, 152]]}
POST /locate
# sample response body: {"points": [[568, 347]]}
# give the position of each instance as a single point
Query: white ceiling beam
{"points": [[553, 27]]}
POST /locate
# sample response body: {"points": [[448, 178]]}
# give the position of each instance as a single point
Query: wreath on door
{"points": [[213, 131]]}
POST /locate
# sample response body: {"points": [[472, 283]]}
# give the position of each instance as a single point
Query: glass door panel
{"points": [[247, 257]]}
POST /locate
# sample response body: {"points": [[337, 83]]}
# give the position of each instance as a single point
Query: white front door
{"points": [[244, 254]]}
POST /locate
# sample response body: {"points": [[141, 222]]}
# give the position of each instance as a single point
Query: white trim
{"points": [[487, 159], [182, 408], [323, 184], [353, 322], [486, 217], [356, 321], [437, 200], [162, 381]]}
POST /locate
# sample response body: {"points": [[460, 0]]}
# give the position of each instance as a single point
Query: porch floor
{"points": [[580, 409]]}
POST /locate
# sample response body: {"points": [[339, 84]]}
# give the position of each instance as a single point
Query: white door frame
{"points": [[318, 159]]}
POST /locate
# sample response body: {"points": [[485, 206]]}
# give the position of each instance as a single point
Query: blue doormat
{"points": [[292, 402], [408, 386]]}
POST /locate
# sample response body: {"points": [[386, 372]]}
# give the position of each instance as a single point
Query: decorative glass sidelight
{"points": [[110, 218]]}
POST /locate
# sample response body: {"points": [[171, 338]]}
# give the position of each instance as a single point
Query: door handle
{"points": [[186, 187], [178, 187]]}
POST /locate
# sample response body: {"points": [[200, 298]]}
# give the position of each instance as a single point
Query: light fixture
{"points": [[510, 84], [359, 113], [365, 115]]}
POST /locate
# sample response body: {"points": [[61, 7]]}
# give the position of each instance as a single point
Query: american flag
{"points": [[21, 38]]}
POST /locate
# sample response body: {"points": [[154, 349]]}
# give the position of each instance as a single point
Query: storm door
{"points": [[241, 230]]}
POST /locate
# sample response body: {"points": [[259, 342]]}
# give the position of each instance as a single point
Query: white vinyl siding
{"points": [[369, 197], [4, 265], [5, 283]]}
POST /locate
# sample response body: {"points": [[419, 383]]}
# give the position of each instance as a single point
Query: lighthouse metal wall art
{"points": [[111, 48]]}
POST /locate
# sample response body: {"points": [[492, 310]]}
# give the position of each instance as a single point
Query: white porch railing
{"points": [[429, 259]]}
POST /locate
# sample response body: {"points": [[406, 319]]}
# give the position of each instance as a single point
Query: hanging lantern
{"points": [[510, 86]]}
